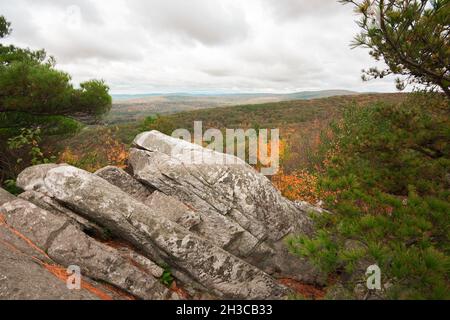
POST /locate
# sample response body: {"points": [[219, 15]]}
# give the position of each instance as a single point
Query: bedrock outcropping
{"points": [[217, 227]]}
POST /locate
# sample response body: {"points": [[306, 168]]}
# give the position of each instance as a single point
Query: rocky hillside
{"points": [[217, 229]]}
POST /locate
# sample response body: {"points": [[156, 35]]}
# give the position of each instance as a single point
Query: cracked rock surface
{"points": [[252, 216], [219, 228]]}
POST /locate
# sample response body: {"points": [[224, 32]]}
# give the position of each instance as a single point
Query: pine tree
{"points": [[410, 36]]}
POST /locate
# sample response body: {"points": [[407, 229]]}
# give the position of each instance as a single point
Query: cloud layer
{"points": [[142, 46]]}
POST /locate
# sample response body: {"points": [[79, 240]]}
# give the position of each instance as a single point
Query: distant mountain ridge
{"points": [[294, 95], [134, 107]]}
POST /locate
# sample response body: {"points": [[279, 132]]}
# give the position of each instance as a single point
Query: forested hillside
{"points": [[367, 175], [301, 122]]}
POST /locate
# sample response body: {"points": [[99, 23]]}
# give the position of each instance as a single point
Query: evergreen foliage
{"points": [[387, 184], [35, 97], [411, 37]]}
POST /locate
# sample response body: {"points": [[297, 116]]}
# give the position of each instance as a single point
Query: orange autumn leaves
{"points": [[294, 186], [118, 154], [301, 184], [94, 155], [297, 186]]}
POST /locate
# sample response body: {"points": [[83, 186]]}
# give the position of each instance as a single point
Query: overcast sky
{"points": [[145, 46]]}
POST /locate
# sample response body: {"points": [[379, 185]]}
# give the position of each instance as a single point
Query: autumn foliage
{"points": [[302, 184], [299, 185], [92, 155]]}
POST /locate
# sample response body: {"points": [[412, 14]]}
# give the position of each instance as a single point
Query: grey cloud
{"points": [[295, 9], [88, 9], [218, 72], [20, 17], [197, 45], [209, 22], [78, 49], [69, 30]]}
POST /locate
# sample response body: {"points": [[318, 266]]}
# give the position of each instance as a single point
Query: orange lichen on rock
{"points": [[180, 291], [119, 293], [57, 271], [61, 273], [304, 290], [21, 236]]}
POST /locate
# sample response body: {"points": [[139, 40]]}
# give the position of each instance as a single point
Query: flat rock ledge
{"points": [[219, 229]]}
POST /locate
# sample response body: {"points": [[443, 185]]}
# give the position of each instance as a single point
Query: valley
{"points": [[135, 107]]}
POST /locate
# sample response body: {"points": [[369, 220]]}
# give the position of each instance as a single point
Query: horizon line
{"points": [[239, 92]]}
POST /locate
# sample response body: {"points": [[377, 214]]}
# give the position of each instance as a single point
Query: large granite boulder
{"points": [[62, 242], [160, 238], [162, 204], [217, 225], [228, 195], [5, 196], [25, 272], [21, 278]]}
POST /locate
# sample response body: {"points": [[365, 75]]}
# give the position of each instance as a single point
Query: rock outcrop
{"points": [[218, 227], [252, 216]]}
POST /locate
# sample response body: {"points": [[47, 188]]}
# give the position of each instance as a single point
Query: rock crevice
{"points": [[219, 228]]}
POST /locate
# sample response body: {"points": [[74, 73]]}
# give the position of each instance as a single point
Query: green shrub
{"points": [[11, 187], [167, 278], [162, 124], [29, 139], [389, 180], [35, 96]]}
